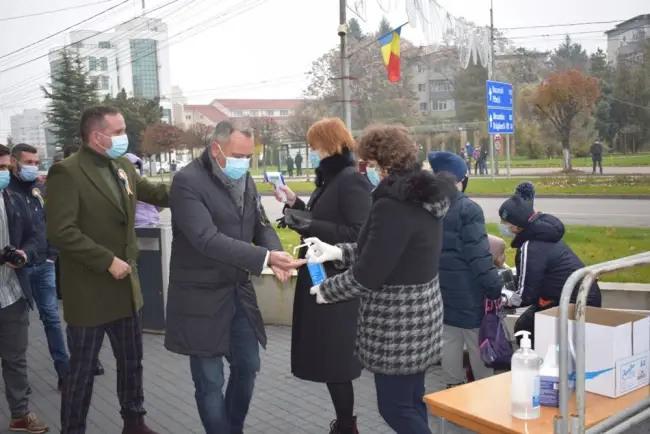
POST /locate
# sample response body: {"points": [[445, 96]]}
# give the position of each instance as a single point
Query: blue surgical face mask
{"points": [[28, 173], [373, 175], [236, 167], [314, 156], [504, 230], [119, 146], [4, 179]]}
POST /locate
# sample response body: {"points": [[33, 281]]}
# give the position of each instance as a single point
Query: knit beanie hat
{"points": [[520, 207], [448, 162]]}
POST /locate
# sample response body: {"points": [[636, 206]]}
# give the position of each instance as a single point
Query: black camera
{"points": [[10, 255]]}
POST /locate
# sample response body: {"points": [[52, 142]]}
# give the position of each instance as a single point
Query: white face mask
{"points": [[504, 230]]}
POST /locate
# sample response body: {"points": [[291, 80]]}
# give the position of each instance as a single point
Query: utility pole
{"points": [[493, 161], [345, 64]]}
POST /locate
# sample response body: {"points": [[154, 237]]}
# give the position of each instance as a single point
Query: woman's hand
{"points": [[291, 196], [319, 252], [315, 290]]}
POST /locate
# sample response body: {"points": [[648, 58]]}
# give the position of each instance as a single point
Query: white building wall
{"points": [[29, 127]]}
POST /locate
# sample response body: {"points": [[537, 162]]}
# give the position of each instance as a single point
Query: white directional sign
{"points": [[499, 100]]}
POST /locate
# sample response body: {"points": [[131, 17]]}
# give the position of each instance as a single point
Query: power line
{"points": [[544, 26], [56, 34], [81, 40], [36, 14]]}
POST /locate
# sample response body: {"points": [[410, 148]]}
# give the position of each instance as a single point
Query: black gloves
{"points": [[299, 221]]}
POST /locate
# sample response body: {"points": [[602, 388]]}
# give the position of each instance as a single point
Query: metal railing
{"points": [[575, 423]]}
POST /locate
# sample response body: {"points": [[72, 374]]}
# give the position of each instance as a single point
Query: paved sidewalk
{"points": [[281, 404]]}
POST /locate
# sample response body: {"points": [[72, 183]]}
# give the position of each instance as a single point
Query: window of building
{"points": [[423, 106], [441, 86], [269, 113], [104, 83], [421, 87], [92, 64], [104, 44], [237, 114], [420, 68], [144, 66], [188, 117], [103, 64], [284, 112], [442, 105], [254, 113]]}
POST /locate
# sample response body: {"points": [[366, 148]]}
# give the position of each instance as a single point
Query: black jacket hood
{"points": [[541, 227], [433, 192]]}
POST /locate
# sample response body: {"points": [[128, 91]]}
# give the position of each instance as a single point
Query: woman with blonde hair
{"points": [[323, 336], [393, 269]]}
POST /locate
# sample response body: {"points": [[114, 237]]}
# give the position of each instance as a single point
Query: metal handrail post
{"points": [[616, 419]]}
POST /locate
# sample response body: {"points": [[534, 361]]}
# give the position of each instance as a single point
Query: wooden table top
{"points": [[484, 406]]}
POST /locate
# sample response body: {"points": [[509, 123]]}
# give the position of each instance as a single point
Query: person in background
{"points": [[596, 151], [299, 164], [90, 215], [467, 275], [476, 154], [482, 164], [16, 300], [339, 207], [222, 237], [393, 270], [145, 214], [41, 271], [289, 163], [544, 261]]}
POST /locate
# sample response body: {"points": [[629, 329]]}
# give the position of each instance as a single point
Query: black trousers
{"points": [[125, 336]]}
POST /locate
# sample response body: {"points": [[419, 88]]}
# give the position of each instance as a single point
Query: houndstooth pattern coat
{"points": [[393, 270]]}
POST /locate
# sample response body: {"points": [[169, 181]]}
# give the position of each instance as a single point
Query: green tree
{"points": [[469, 93], [266, 133], [71, 92], [354, 30], [138, 115], [569, 55], [384, 26]]}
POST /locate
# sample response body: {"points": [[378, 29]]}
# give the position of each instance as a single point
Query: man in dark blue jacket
{"points": [[24, 182], [544, 261], [467, 275], [16, 234]]}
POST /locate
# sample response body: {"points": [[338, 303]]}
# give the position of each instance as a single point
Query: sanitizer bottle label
{"points": [[317, 273], [536, 392]]}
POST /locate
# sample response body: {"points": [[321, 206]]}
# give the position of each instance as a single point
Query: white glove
{"points": [[315, 290], [319, 252]]}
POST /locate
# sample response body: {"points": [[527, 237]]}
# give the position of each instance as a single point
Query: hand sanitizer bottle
{"points": [[316, 270], [525, 388]]}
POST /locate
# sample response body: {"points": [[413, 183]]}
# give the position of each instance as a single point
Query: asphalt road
{"points": [[591, 212]]}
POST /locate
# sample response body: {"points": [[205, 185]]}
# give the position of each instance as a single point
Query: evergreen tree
{"points": [[354, 30], [469, 93], [71, 92], [384, 26]]}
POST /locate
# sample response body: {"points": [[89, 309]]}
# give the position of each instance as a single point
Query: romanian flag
{"points": [[390, 52]]}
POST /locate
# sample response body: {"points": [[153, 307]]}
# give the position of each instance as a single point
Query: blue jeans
{"points": [[219, 414], [43, 281], [400, 402]]}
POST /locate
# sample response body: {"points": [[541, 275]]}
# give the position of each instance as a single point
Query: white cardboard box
{"points": [[617, 347]]}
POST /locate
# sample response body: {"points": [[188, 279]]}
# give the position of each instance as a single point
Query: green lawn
{"points": [[591, 243], [596, 185], [608, 160]]}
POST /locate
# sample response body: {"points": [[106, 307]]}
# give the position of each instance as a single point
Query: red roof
{"points": [[211, 112], [259, 104]]}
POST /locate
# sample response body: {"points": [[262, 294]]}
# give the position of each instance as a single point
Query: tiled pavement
{"points": [[281, 404]]}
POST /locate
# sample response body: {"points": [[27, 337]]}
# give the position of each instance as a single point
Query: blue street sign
{"points": [[499, 100]]}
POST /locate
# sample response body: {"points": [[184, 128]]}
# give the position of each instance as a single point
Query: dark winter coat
{"points": [[394, 272], [216, 248], [467, 272], [596, 149], [545, 262], [34, 196], [324, 335]]}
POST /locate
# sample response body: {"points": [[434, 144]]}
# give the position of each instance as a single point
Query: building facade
{"points": [[433, 83], [30, 127], [626, 40], [135, 57]]}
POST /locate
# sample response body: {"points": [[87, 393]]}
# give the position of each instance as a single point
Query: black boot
{"points": [[99, 369], [344, 427]]}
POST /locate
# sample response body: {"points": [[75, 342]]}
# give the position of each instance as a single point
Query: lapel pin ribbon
{"points": [[125, 180]]}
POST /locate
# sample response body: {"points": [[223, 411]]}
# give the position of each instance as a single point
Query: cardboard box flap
{"points": [[600, 316]]}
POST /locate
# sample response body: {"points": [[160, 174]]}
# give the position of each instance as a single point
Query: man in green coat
{"points": [[90, 211]]}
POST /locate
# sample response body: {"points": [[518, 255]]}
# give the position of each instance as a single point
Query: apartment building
{"points": [[433, 82], [625, 41]]}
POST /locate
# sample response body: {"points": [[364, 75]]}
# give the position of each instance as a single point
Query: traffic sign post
{"points": [[499, 100]]}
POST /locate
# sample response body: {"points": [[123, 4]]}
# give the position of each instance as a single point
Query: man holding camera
{"points": [[20, 246], [90, 210]]}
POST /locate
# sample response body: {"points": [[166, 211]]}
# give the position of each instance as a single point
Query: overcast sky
{"points": [[263, 52]]}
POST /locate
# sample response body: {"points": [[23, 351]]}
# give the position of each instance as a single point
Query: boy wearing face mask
{"points": [[544, 261], [467, 275], [24, 182]]}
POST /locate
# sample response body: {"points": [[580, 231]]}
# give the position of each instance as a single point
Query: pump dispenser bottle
{"points": [[525, 387]]}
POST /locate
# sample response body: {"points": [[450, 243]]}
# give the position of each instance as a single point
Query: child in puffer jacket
{"points": [[145, 214]]}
